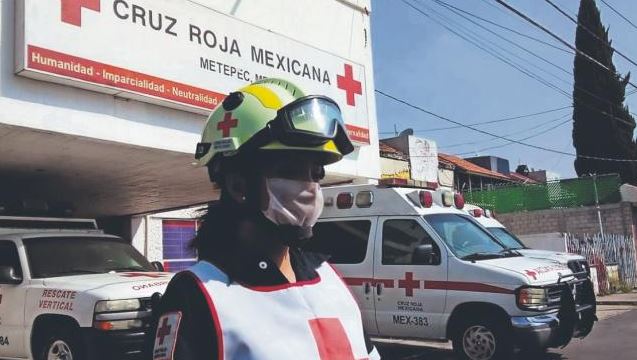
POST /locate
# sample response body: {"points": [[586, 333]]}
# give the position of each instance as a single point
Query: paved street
{"points": [[612, 338]]}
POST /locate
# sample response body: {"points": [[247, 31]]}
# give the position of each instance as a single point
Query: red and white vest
{"points": [[317, 319]]}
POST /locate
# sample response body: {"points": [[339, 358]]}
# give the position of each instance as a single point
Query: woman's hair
{"points": [[216, 237]]}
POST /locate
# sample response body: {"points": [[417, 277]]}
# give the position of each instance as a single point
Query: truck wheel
{"points": [[60, 344], [482, 339]]}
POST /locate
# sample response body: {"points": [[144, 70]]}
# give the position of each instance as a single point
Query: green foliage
{"points": [[602, 125]]}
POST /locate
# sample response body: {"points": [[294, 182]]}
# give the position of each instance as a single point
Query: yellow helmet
{"points": [[274, 115]]}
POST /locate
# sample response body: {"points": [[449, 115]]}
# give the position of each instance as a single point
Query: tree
{"points": [[602, 125]]}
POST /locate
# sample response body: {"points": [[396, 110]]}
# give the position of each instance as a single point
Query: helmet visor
{"points": [[317, 115]]}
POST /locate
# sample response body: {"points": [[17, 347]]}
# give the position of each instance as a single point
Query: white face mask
{"points": [[293, 202]]}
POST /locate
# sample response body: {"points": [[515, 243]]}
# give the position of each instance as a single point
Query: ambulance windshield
{"points": [[66, 256], [506, 238], [466, 239]]}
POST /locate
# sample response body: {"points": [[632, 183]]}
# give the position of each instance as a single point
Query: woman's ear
{"points": [[237, 187]]}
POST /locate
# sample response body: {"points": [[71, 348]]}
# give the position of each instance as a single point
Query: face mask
{"points": [[293, 202]]}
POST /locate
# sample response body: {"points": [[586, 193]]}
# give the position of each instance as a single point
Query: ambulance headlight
{"points": [[117, 305], [532, 298]]}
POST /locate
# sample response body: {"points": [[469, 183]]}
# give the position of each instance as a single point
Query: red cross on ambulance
{"points": [[409, 284]]}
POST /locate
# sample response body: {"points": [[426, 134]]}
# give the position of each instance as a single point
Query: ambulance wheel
{"points": [[482, 339], [62, 343]]}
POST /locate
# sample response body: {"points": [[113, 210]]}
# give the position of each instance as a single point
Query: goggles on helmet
{"points": [[309, 121]]}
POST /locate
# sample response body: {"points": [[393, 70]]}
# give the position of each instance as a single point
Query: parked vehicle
{"points": [[421, 267], [577, 263], [67, 290]]}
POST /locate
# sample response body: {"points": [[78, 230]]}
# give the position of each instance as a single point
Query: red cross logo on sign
{"points": [[150, 275], [331, 339], [227, 124], [349, 84], [72, 10], [409, 284]]}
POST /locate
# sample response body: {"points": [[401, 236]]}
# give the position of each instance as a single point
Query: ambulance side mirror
{"points": [[425, 255], [158, 266], [8, 276]]}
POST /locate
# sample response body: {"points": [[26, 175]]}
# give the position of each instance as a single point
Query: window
{"points": [[401, 238], [345, 241], [463, 236], [177, 235], [9, 256], [77, 255]]}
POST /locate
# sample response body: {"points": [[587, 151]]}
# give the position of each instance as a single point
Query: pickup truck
{"points": [[69, 291]]}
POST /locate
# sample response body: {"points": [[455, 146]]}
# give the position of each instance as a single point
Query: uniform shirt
{"points": [[196, 336]]}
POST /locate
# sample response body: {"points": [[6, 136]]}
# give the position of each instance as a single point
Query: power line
{"points": [[495, 135], [589, 31], [511, 134], [504, 27], [549, 32], [522, 139], [619, 13], [492, 52], [488, 121], [518, 67], [453, 9]]}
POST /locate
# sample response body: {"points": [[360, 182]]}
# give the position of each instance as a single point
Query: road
{"points": [[614, 337]]}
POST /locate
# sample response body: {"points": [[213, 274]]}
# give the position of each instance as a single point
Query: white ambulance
{"points": [[422, 268], [577, 263], [68, 291]]}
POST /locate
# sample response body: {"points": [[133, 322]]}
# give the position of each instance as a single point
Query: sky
{"points": [[423, 63]]}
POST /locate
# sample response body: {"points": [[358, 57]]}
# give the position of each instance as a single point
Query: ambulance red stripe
{"points": [[435, 285]]}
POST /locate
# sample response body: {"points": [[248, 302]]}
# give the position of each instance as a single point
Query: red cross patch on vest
{"points": [[166, 336]]}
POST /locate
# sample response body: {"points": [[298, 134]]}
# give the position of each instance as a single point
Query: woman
{"points": [[254, 294]]}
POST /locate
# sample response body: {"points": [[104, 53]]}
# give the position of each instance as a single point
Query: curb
{"points": [[621, 303]]}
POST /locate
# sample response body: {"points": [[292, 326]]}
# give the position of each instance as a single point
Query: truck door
{"points": [[12, 299], [408, 302], [349, 242]]}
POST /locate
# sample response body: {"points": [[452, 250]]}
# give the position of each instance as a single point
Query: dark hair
{"points": [[216, 236]]}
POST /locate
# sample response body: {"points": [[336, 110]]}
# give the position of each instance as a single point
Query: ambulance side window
{"points": [[9, 256], [345, 241], [401, 237]]}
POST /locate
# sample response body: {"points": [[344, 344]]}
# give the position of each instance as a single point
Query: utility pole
{"points": [[599, 213]]}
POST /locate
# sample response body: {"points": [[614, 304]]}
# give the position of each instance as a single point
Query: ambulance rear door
{"points": [[350, 244], [409, 289]]}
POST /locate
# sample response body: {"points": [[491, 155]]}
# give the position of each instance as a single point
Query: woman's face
{"points": [[290, 167]]}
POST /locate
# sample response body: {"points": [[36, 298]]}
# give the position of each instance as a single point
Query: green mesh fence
{"points": [[551, 195]]}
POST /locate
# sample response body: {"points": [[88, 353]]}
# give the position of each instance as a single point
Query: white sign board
{"points": [[423, 159], [175, 53]]}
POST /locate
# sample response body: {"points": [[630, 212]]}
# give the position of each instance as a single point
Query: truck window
{"points": [[66, 256], [462, 235], [345, 241], [9, 256], [401, 237]]}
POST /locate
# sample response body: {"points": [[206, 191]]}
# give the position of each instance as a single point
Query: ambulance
{"points": [[577, 263], [421, 268], [69, 291]]}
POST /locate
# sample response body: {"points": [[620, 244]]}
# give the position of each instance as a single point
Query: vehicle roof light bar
{"points": [[397, 182]]}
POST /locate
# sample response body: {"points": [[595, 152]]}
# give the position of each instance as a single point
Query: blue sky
{"points": [[420, 61]]}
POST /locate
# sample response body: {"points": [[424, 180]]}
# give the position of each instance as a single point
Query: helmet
{"points": [[274, 115]]}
